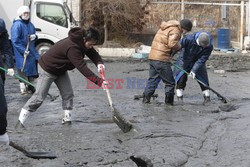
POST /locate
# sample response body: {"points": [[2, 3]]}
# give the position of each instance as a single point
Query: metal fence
{"points": [[206, 15]]}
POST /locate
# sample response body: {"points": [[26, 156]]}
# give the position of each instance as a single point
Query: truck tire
{"points": [[43, 47]]}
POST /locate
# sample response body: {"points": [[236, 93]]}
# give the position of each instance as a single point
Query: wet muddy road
{"points": [[185, 135]]}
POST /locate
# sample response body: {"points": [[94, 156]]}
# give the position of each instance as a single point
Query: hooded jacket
{"points": [[165, 40], [5, 47], [68, 54]]}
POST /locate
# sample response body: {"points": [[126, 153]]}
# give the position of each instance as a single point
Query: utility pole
{"points": [[182, 9], [248, 25], [241, 24]]}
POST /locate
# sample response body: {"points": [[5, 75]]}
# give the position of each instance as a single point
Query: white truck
{"points": [[51, 18]]}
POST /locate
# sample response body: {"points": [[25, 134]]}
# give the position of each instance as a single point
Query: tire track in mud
{"points": [[215, 133], [209, 145]]}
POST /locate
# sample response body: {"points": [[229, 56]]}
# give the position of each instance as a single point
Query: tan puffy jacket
{"points": [[165, 40]]}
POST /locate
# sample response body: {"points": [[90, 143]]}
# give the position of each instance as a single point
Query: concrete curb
{"points": [[116, 52]]}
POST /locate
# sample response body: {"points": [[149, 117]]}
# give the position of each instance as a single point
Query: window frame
{"points": [[39, 4]]}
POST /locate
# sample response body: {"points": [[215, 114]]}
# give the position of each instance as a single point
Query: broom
{"points": [[122, 123]]}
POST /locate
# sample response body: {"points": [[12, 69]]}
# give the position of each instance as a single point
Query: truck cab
{"points": [[51, 18]]}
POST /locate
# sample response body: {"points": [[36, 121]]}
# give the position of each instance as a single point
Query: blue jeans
{"points": [[3, 109], [160, 71]]}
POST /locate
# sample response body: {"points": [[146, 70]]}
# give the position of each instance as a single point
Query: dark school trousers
{"points": [[3, 109]]}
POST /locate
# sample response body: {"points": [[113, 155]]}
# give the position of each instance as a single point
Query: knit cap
{"points": [[186, 24], [22, 10]]}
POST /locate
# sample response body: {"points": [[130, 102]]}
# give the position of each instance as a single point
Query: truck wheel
{"points": [[43, 47]]}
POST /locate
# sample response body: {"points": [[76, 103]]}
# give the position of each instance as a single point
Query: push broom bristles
{"points": [[123, 124]]}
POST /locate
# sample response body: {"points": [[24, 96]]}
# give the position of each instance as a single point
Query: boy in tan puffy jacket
{"points": [[165, 42]]}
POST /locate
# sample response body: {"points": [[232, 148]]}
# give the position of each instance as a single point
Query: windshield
{"points": [[53, 13]]}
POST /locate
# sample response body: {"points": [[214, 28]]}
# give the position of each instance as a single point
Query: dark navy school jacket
{"points": [[193, 57]]}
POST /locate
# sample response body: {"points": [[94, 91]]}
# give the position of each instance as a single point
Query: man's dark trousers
{"points": [[160, 71]]}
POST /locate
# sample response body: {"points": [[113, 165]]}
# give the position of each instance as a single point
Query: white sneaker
{"points": [[65, 122], [4, 139], [67, 117], [24, 114]]}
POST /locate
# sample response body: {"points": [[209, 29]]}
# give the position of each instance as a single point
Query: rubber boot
{"points": [[179, 94], [30, 89], [67, 117], [206, 96], [206, 100], [4, 139], [22, 88], [169, 99], [146, 99], [24, 114]]}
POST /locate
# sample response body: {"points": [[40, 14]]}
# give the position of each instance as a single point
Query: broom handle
{"points": [[106, 89], [218, 94], [19, 148], [18, 77], [27, 82], [109, 98], [25, 55]]}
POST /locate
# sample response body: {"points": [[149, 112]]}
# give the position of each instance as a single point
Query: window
{"points": [[52, 13]]}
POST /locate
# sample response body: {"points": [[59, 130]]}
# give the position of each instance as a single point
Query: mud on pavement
{"points": [[188, 134]]}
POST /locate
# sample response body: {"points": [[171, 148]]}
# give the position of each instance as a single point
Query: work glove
{"points": [[10, 72], [32, 37], [100, 66], [192, 74]]}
